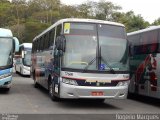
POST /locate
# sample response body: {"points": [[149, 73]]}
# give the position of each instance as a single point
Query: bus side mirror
{"points": [[16, 44], [61, 43]]}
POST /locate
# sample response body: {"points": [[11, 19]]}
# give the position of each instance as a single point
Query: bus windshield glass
{"points": [[27, 58], [113, 45], [6, 45], [87, 41]]}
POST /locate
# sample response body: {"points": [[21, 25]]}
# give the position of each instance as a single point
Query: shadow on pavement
{"points": [[145, 99], [19, 75]]}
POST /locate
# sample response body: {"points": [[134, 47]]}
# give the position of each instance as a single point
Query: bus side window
{"points": [[45, 42], [52, 37], [41, 43], [58, 30], [38, 44], [48, 40]]}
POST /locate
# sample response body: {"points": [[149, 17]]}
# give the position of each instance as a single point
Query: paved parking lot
{"points": [[23, 98]]}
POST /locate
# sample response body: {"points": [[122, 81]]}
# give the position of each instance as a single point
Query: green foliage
{"points": [[28, 18], [33, 28], [5, 13], [131, 21], [156, 22], [106, 10]]}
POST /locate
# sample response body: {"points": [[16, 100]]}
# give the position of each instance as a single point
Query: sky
{"points": [[148, 9]]}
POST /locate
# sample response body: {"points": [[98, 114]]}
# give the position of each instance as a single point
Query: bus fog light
{"points": [[120, 84], [123, 83], [65, 81], [69, 81]]}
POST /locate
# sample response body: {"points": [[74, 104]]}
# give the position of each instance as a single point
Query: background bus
{"points": [[8, 45], [82, 58], [145, 61], [23, 59]]}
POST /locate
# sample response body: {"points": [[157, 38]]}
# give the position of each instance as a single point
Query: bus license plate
{"points": [[97, 93]]}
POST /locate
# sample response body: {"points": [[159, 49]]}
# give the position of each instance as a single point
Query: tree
{"points": [[47, 8], [27, 18], [105, 10], [32, 29], [156, 22], [131, 21], [86, 10], [19, 8], [5, 13], [67, 11]]}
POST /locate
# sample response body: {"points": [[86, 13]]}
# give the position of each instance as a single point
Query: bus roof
{"points": [[144, 30], [5, 32], [26, 45], [79, 20]]}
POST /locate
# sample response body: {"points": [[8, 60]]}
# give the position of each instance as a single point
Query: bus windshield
{"points": [[113, 47], [27, 58], [6, 45], [86, 41]]}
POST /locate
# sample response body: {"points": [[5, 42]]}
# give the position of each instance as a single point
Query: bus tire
{"points": [[35, 81], [51, 91], [35, 84]]}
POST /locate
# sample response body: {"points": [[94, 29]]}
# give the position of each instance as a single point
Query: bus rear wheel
{"points": [[35, 81], [35, 84]]}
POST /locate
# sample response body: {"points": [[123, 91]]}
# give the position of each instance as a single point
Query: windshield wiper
{"points": [[92, 61], [98, 56], [106, 62]]}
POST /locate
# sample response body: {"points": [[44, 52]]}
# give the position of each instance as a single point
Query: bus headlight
{"points": [[26, 68], [5, 75], [69, 81], [123, 83]]}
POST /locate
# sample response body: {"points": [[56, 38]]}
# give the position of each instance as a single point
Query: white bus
{"points": [[145, 61], [82, 58], [8, 46], [23, 59]]}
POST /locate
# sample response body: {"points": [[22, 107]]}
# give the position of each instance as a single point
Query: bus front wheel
{"points": [[51, 91]]}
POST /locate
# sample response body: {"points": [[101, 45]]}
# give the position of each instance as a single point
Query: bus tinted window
{"points": [[111, 31], [41, 43], [144, 43], [45, 41], [51, 37], [134, 40], [149, 42], [58, 30]]}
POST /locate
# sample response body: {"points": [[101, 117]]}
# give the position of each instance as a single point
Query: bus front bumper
{"points": [[6, 82], [72, 91], [26, 72]]}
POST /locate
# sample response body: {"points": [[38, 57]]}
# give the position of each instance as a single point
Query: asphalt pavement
{"points": [[23, 98]]}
